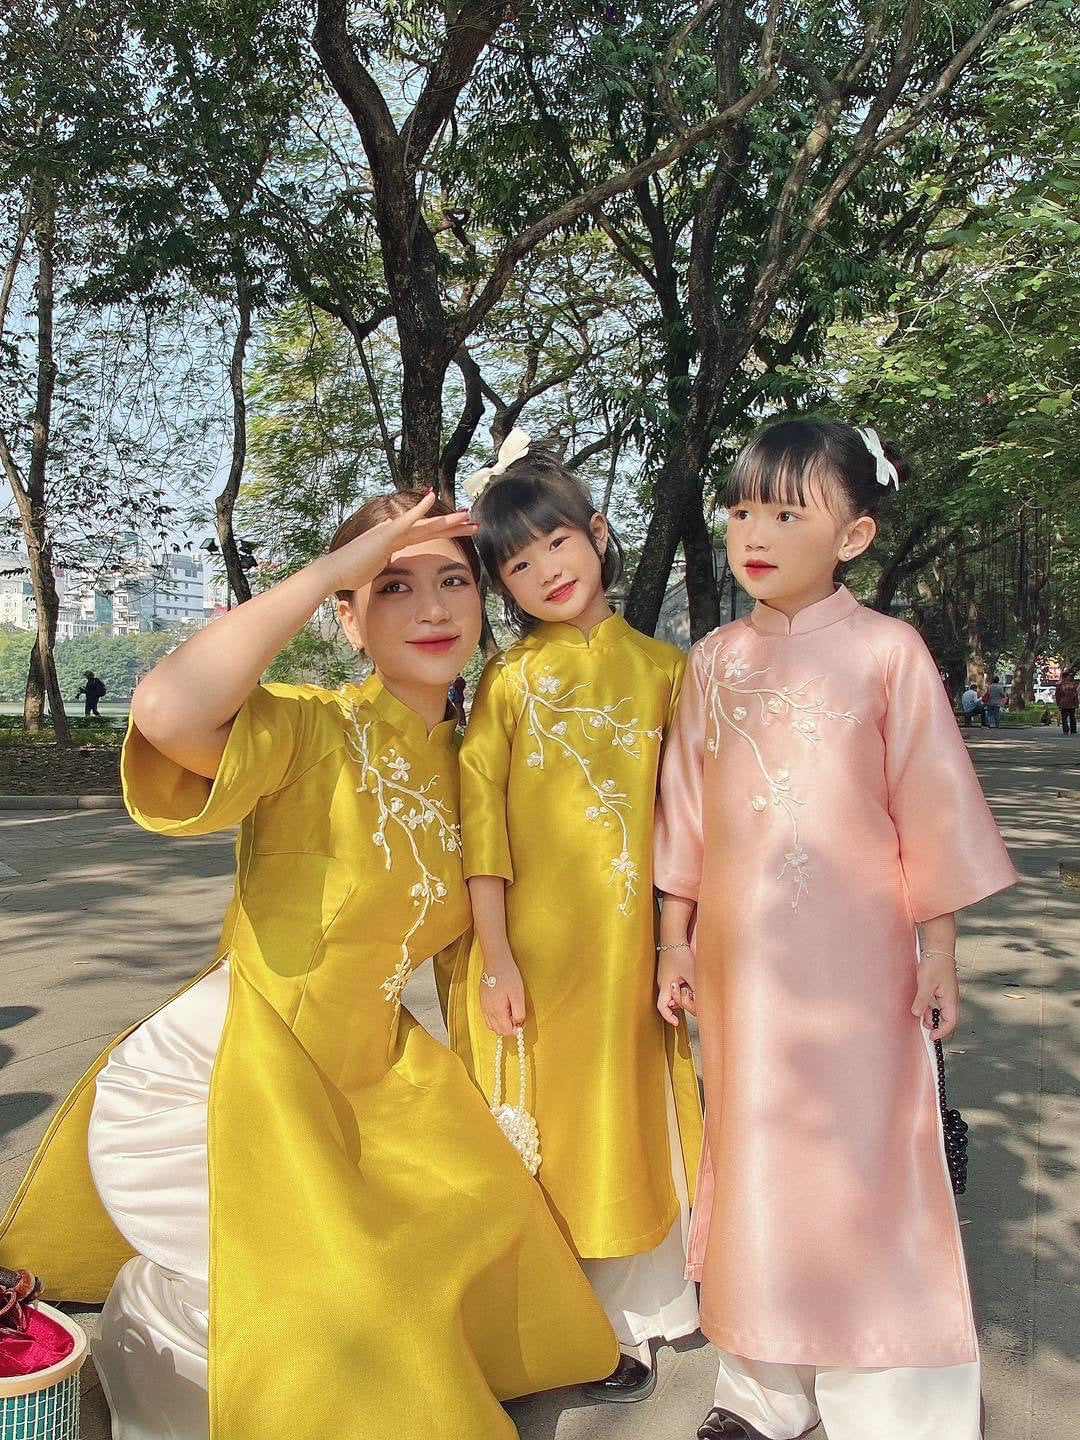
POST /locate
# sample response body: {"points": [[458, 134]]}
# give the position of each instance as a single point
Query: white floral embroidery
{"points": [[408, 810], [547, 715], [731, 676]]}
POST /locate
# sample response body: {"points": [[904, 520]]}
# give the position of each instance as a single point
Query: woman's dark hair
{"points": [[534, 496], [777, 466], [385, 507]]}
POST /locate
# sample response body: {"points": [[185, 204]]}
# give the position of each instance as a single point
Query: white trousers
{"points": [[785, 1401], [147, 1146], [648, 1296]]}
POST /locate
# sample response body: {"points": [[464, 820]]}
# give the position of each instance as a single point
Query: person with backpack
{"points": [[1065, 700], [94, 690]]}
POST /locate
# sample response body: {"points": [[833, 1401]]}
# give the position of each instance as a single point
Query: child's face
{"points": [[785, 555], [419, 620], [558, 576]]}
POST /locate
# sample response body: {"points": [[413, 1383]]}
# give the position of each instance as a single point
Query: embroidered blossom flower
{"points": [[624, 866], [380, 778], [730, 676], [547, 685]]}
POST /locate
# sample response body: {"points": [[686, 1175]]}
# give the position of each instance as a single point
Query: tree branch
{"points": [[471, 413], [354, 83], [468, 33], [591, 200]]}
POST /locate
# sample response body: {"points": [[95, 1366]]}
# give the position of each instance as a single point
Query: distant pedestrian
{"points": [[995, 698], [1065, 700], [456, 699], [94, 690], [972, 706]]}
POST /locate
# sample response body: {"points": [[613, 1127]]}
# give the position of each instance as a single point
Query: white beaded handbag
{"points": [[514, 1121]]}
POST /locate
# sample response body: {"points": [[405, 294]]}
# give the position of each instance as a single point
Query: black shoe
{"points": [[630, 1380], [720, 1425]]}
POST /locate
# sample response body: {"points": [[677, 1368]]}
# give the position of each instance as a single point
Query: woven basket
{"points": [[45, 1405]]}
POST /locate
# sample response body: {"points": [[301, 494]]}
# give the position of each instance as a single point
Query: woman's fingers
{"points": [[503, 1007], [415, 525], [667, 1007], [948, 1016]]}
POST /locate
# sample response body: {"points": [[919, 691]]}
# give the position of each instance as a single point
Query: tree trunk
{"points": [[1034, 607], [675, 486], [975, 647], [31, 498], [34, 694], [225, 503], [702, 594]]}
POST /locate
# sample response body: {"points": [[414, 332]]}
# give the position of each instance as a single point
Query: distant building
{"points": [[181, 593], [16, 593], [146, 597]]}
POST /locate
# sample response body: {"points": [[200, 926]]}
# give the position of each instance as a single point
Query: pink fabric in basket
{"points": [[40, 1343]]}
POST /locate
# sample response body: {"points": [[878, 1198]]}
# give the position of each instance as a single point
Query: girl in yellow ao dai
{"points": [[559, 777], [331, 1236]]}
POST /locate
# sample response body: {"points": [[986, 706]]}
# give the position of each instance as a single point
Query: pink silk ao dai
{"points": [[816, 802]]}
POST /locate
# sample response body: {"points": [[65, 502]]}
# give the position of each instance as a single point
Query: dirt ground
{"points": [[48, 770]]}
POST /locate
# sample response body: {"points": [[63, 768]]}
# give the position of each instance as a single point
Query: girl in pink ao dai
{"points": [[820, 824]]}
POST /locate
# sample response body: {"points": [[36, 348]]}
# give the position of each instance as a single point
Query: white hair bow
{"points": [[887, 473], [512, 448]]}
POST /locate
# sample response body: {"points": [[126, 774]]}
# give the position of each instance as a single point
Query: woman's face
{"points": [[419, 620]]}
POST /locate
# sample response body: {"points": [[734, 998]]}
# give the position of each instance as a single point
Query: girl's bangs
{"points": [[514, 513], [763, 475]]}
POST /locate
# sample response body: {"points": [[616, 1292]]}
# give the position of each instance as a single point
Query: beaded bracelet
{"points": [[672, 945]]}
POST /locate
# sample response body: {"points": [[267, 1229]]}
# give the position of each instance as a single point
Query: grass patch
{"points": [[1030, 715], [100, 732]]}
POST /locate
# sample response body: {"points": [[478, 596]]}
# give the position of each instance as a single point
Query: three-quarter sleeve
{"points": [[951, 852], [679, 848], [485, 774], [259, 758]]}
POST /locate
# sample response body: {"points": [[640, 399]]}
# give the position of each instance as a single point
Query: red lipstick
{"points": [[436, 644], [556, 597]]}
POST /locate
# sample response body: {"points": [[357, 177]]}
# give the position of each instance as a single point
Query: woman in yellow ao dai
{"points": [[559, 778], [372, 1258]]}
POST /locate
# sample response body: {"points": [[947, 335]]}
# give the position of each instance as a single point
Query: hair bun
{"points": [[896, 459]]}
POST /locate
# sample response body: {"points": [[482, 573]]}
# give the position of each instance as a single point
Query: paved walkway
{"points": [[99, 922]]}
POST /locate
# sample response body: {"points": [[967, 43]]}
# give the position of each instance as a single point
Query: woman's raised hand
{"points": [[361, 560]]}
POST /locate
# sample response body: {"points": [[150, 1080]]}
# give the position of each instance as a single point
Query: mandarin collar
{"points": [[398, 715], [558, 632], [837, 606]]}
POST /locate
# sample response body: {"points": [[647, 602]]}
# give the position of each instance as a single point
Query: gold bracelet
{"points": [[949, 954]]}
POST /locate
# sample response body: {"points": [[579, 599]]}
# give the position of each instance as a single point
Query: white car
{"points": [[1044, 694]]}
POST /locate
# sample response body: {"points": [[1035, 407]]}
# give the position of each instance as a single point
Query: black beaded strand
{"points": [[954, 1126]]}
